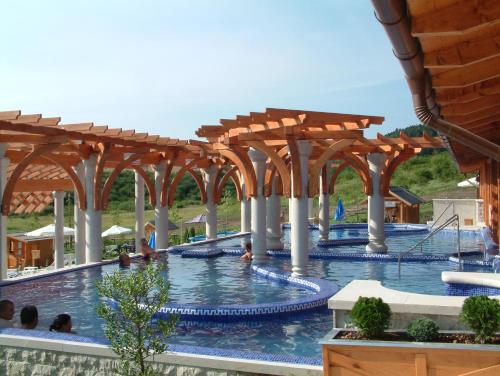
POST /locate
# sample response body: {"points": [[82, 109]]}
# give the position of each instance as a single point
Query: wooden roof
{"points": [[460, 41]]}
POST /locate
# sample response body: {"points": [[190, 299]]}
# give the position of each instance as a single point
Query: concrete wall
{"points": [[471, 209]]}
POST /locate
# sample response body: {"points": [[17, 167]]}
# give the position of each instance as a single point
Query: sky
{"points": [[168, 67]]}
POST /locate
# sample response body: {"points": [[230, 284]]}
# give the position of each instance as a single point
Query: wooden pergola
{"points": [[333, 137]]}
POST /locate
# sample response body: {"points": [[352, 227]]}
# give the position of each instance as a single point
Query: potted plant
{"points": [[420, 349]]}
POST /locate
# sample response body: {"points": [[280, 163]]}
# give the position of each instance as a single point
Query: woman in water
{"points": [[248, 253], [62, 324]]}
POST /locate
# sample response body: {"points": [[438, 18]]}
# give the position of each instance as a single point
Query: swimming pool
{"points": [[227, 280]]}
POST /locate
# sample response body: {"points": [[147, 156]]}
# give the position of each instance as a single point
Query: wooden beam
{"points": [[36, 185], [469, 93], [474, 116], [468, 75], [482, 103], [456, 18]]}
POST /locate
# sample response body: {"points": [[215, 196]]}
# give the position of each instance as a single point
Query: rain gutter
{"points": [[393, 15]]}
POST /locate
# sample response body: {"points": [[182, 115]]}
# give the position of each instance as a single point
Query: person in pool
{"points": [[62, 324], [29, 317], [146, 251], [124, 260], [248, 252]]}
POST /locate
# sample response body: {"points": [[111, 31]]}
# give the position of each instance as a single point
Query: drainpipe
{"points": [[392, 14]]}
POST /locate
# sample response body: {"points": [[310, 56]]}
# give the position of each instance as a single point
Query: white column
{"points": [[324, 207], [376, 208], [245, 208], [299, 220], [79, 220], [274, 220], [93, 217], [4, 164], [310, 208], [258, 225], [209, 175], [161, 212], [139, 211], [59, 229]]}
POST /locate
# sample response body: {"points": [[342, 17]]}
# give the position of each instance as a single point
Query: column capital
{"points": [[210, 170], [305, 148], [160, 166], [256, 155], [377, 159]]}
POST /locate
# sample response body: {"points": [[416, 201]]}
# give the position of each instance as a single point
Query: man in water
{"points": [[6, 313], [147, 251], [248, 253], [124, 260]]}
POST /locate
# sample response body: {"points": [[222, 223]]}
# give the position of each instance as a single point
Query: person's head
{"points": [[6, 309], [124, 259], [248, 247], [62, 323], [144, 241], [29, 317]]}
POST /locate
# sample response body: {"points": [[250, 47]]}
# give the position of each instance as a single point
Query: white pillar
{"points": [[324, 206], [79, 220], [93, 217], [310, 208], [274, 220], [245, 209], [258, 225], [209, 175], [161, 212], [299, 220], [59, 229], [139, 211], [376, 208], [4, 164]]}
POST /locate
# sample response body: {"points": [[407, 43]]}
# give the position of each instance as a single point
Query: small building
{"points": [[150, 227], [402, 206], [29, 251]]}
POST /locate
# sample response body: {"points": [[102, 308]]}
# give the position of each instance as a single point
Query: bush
{"points": [[423, 330], [482, 315], [371, 316], [192, 232]]}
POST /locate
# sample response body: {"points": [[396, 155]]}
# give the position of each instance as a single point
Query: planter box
{"points": [[344, 357]]}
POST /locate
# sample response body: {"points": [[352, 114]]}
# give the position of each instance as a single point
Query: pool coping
{"points": [[203, 357]]}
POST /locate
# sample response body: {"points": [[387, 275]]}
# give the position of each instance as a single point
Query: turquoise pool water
{"points": [[227, 280]]}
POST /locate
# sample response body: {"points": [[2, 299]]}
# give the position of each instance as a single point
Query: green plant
{"points": [[185, 238], [192, 232], [371, 316], [423, 330], [131, 302], [482, 315]]}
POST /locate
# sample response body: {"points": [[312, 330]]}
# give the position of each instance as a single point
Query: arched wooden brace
{"points": [[271, 172], [360, 165], [245, 166], [231, 173], [338, 170], [296, 170], [16, 174], [277, 161], [177, 179], [321, 161], [150, 185], [101, 160], [114, 175], [166, 180], [82, 199], [386, 177]]}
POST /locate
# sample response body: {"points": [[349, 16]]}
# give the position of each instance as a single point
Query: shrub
{"points": [[482, 315], [185, 238], [192, 232], [423, 330], [371, 316]]}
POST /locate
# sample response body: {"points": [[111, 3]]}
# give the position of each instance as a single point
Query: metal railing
{"points": [[452, 203], [449, 221]]}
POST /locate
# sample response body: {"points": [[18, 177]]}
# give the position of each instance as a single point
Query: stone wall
{"points": [[37, 362]]}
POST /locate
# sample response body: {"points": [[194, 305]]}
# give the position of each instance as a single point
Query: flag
{"points": [[339, 211]]}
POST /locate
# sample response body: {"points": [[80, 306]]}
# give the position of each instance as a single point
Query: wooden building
{"points": [[405, 208], [29, 251]]}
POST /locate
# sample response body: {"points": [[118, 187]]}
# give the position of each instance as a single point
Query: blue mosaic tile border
{"points": [[240, 312], [202, 253], [342, 241], [196, 350], [463, 289], [455, 260]]}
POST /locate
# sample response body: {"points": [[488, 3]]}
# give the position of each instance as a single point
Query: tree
{"points": [[131, 302]]}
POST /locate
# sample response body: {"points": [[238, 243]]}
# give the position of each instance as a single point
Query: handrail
{"points": [[431, 234], [442, 213]]}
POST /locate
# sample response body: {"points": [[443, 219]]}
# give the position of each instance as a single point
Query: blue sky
{"points": [[167, 67]]}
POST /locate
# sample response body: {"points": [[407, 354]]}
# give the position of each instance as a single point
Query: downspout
{"points": [[392, 14]]}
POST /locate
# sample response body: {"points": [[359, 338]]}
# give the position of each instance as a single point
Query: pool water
{"points": [[227, 280]]}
